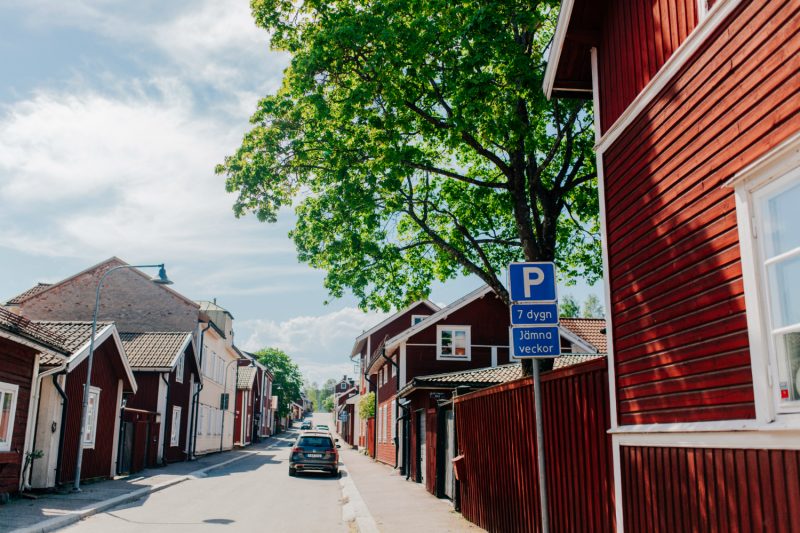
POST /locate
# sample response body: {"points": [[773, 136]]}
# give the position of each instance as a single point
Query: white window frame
{"points": [[175, 428], [391, 368], [12, 390], [179, 369], [202, 420], [92, 410], [773, 171], [416, 319], [467, 339], [392, 410]]}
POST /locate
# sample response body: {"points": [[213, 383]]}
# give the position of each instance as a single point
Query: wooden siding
{"points": [[16, 367], [105, 376], [489, 321], [180, 395], [638, 37], [146, 397], [707, 489], [678, 310], [499, 477], [385, 450], [431, 432]]}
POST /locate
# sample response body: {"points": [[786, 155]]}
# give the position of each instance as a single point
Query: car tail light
{"points": [[297, 450]]}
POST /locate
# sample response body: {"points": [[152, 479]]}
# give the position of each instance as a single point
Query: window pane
{"points": [[783, 221], [784, 282], [789, 368], [5, 416]]}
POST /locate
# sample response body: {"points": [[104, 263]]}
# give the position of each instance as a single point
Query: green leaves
{"points": [[415, 143], [288, 382]]}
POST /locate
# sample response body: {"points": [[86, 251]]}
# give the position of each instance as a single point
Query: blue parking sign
{"points": [[535, 341], [534, 281]]}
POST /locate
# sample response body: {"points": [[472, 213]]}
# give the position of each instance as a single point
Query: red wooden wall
{"points": [[678, 310], [698, 489], [371, 436], [105, 375], [16, 367], [431, 432], [496, 434], [627, 64]]}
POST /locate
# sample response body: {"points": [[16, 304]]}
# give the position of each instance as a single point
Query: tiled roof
{"points": [[589, 329], [492, 375], [572, 359], [246, 376], [37, 333], [75, 333], [156, 349], [33, 291], [497, 374]]}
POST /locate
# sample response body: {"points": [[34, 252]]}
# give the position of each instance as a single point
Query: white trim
{"points": [[180, 368], [702, 9], [772, 165], [690, 46], [467, 342], [100, 337], [414, 318], [175, 429], [443, 313], [573, 338], [89, 444], [612, 379], [752, 440], [619, 505], [401, 361], [494, 356], [11, 389], [373, 329], [115, 438], [557, 46], [31, 344]]}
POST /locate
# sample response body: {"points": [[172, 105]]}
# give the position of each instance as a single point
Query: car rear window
{"points": [[315, 442]]}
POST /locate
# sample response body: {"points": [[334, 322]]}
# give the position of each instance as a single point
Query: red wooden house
{"points": [[344, 410], [156, 421], [22, 344], [60, 405], [365, 347], [697, 119]]}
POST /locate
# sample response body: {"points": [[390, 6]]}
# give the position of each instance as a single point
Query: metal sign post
{"points": [[534, 334]]}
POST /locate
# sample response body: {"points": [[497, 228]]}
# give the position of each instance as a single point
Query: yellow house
{"points": [[215, 408]]}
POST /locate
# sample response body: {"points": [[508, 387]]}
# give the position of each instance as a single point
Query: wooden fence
{"points": [[496, 434]]}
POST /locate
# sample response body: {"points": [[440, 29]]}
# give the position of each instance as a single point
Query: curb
{"points": [[355, 510], [70, 517]]}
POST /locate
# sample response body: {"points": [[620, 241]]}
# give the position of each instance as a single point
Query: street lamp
{"points": [[160, 279], [224, 393]]}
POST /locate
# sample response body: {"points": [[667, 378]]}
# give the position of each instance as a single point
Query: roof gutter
{"points": [[556, 46]]}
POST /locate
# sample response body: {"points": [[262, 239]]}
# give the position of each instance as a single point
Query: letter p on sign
{"points": [[532, 282], [531, 276]]}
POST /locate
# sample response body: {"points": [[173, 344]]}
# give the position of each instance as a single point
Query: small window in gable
{"points": [[416, 319], [8, 408], [453, 342]]}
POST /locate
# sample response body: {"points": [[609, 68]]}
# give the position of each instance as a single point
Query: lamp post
{"points": [[161, 279]]}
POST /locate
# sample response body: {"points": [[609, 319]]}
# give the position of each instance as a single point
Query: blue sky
{"points": [[112, 117]]}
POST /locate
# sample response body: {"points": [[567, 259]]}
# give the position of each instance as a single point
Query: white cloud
{"points": [[317, 343]]}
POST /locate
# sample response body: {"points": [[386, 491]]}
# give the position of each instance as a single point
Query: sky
{"points": [[113, 115]]}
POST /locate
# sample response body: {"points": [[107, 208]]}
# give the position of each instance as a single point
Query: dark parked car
{"points": [[314, 450]]}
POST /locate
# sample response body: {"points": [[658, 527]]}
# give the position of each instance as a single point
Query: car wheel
{"points": [[292, 472], [335, 473]]}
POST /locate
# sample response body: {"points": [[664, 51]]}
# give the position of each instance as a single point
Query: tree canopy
{"points": [[415, 142], [288, 382]]}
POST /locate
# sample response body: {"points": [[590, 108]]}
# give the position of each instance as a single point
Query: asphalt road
{"points": [[252, 494]]}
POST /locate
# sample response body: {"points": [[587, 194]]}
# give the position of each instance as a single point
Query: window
{"points": [[416, 319], [201, 421], [179, 370], [8, 408], [767, 196], [175, 432], [391, 414], [92, 411], [391, 369], [453, 342], [778, 219]]}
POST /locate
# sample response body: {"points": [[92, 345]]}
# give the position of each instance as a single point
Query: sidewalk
{"points": [[56, 510], [395, 505]]}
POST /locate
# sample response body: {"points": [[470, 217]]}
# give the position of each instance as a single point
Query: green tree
{"points": [[568, 306], [366, 406], [288, 382], [327, 404], [417, 144], [592, 308]]}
